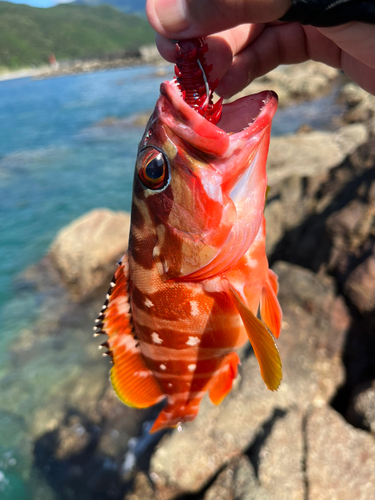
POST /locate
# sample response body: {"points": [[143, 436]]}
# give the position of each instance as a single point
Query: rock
{"points": [[360, 285], [297, 167], [311, 154], [237, 481], [361, 410], [340, 459], [142, 488], [281, 459], [86, 251], [295, 82], [360, 105], [310, 346]]}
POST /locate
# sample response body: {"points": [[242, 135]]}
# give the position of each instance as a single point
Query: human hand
{"points": [[248, 41]]}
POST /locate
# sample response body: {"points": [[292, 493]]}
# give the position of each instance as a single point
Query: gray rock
{"points": [[310, 347], [281, 459], [86, 251], [313, 153], [298, 165], [340, 459], [360, 105], [295, 82], [238, 482]]}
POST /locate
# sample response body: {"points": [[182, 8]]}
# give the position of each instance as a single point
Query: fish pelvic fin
{"points": [[132, 381], [262, 342], [270, 310], [222, 383]]}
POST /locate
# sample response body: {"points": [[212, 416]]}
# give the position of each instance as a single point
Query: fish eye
{"points": [[153, 171]]}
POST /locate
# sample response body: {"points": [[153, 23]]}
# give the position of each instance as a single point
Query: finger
{"points": [[195, 18], [355, 39], [222, 47], [277, 44], [292, 43]]}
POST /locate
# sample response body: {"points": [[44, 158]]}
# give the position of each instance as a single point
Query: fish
{"points": [[186, 295]]}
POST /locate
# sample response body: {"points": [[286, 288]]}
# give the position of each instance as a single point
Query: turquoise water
{"points": [[58, 160]]}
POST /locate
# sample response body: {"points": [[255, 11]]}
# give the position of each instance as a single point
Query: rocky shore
{"points": [[147, 54], [314, 438]]}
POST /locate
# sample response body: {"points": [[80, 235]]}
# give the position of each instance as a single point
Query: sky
{"points": [[40, 3]]}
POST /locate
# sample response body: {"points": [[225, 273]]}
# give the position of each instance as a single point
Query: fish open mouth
{"points": [[241, 114], [247, 114]]}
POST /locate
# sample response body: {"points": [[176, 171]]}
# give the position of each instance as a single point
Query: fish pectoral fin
{"points": [[270, 310], [222, 383], [132, 381], [262, 342]]}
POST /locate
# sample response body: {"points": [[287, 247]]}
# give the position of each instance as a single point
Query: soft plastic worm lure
{"points": [[192, 76]]}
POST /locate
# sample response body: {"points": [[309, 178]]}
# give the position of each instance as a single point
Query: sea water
{"points": [[61, 155]]}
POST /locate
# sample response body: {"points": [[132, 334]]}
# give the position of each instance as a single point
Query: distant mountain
{"points": [[126, 6], [28, 35]]}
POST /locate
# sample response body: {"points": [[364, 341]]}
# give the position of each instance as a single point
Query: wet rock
{"points": [[86, 251], [340, 458], [310, 348], [74, 437], [361, 410]]}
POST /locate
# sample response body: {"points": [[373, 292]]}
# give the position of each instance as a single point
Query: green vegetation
{"points": [[28, 35]]}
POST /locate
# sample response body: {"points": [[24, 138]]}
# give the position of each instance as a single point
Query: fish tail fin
{"points": [[222, 383], [270, 310], [175, 413]]}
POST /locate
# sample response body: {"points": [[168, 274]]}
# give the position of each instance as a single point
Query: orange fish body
{"points": [[185, 296]]}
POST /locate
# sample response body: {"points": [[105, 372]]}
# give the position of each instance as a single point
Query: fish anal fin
{"points": [[262, 342], [272, 278], [221, 385], [270, 310], [132, 381]]}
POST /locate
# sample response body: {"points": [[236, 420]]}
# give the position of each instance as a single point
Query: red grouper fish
{"points": [[186, 295]]}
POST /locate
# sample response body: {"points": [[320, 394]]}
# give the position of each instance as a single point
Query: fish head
{"points": [[203, 184]]}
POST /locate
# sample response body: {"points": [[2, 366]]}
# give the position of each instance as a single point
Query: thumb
{"points": [[194, 18]]}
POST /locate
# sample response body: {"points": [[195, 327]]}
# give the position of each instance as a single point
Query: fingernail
{"points": [[171, 14]]}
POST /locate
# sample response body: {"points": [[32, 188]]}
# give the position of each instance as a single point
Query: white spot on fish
{"points": [[193, 341], [148, 303], [156, 339], [162, 367], [192, 367], [194, 307], [169, 385]]}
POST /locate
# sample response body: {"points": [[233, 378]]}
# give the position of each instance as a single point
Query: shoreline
{"points": [[148, 56]]}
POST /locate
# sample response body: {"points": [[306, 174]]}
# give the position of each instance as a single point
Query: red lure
{"points": [[192, 75]]}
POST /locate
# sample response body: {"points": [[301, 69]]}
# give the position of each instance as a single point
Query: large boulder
{"points": [[85, 252]]}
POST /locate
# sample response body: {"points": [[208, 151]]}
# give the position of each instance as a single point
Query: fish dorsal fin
{"points": [[270, 310], [221, 385], [262, 342], [132, 381]]}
